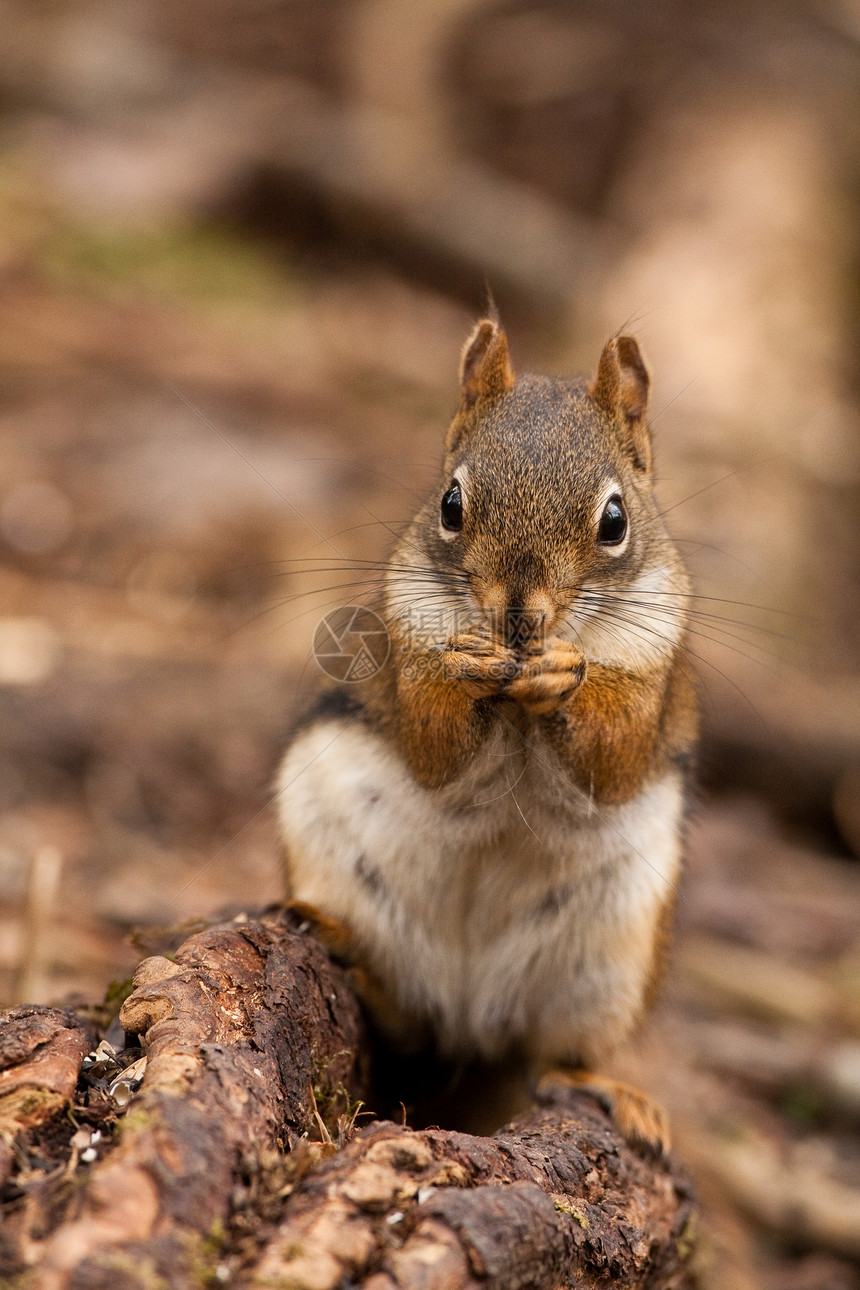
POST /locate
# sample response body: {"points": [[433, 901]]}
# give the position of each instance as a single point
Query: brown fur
{"points": [[608, 732], [439, 724]]}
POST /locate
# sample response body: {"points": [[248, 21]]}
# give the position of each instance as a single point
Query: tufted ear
{"points": [[620, 390], [485, 365], [485, 373]]}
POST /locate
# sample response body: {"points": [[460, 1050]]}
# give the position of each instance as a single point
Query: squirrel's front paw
{"points": [[548, 678], [480, 662]]}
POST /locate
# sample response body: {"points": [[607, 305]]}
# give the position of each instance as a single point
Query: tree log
{"points": [[554, 1199], [41, 1050], [239, 1162]]}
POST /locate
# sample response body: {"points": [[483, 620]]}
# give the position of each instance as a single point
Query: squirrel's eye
{"points": [[452, 509], [613, 523]]}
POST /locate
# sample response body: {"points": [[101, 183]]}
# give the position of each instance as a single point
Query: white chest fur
{"points": [[504, 908]]}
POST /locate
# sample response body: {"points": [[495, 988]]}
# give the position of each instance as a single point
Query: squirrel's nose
{"points": [[522, 615], [524, 625]]}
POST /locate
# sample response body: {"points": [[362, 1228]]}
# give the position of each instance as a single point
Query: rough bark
{"points": [[554, 1199], [41, 1050], [254, 1047], [246, 1027]]}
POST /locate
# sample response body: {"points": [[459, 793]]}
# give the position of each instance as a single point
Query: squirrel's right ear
{"points": [[485, 372], [620, 390], [485, 365]]}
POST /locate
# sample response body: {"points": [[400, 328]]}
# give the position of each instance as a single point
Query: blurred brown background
{"points": [[242, 242]]}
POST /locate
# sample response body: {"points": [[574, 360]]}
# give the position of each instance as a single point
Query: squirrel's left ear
{"points": [[620, 390]]}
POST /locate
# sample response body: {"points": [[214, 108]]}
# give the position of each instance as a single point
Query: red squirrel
{"points": [[489, 829]]}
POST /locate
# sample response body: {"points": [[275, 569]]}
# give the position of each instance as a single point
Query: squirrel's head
{"points": [[547, 483]]}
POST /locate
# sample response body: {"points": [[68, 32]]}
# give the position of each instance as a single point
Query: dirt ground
{"points": [[226, 371]]}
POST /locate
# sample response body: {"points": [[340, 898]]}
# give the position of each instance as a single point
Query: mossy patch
{"points": [[565, 1207]]}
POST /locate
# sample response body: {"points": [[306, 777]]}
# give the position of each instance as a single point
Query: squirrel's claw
{"points": [[549, 678], [481, 663]]}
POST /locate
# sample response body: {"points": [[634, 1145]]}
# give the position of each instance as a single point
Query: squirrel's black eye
{"points": [[452, 509], [613, 523]]}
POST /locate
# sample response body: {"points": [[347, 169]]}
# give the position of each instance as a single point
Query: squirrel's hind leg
{"points": [[336, 935], [639, 1118], [340, 941]]}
